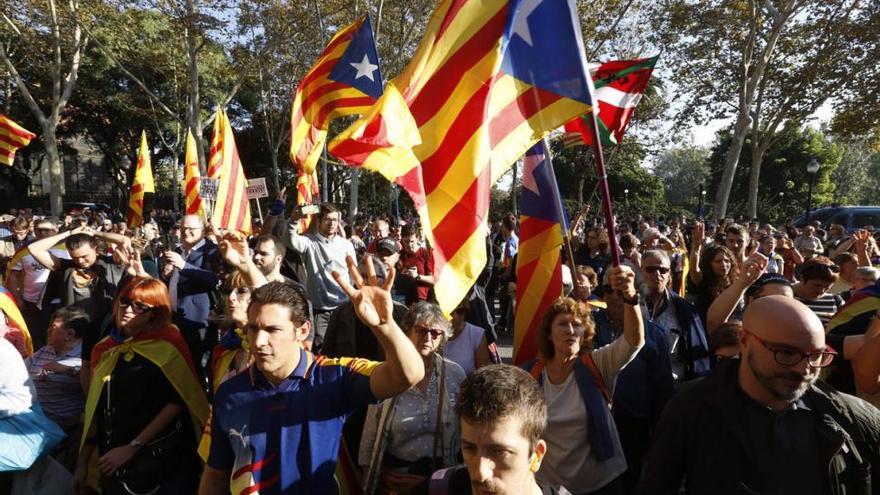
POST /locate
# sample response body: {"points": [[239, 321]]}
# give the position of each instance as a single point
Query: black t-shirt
{"points": [[458, 482]]}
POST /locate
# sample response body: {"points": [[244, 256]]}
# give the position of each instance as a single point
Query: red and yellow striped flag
{"points": [[12, 137], [232, 210], [481, 91], [306, 192], [9, 307], [345, 80], [143, 183], [191, 178]]}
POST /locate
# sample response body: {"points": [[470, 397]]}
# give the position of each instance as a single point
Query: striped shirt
{"points": [[59, 394], [825, 307]]}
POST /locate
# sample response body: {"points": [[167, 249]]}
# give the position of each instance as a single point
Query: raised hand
{"points": [[623, 280], [753, 268], [698, 236], [372, 302], [234, 249]]}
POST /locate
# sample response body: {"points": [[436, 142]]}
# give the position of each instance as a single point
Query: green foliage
{"points": [[784, 172], [683, 169]]}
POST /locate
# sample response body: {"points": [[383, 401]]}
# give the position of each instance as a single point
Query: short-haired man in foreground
{"points": [[503, 415], [276, 425], [763, 424]]}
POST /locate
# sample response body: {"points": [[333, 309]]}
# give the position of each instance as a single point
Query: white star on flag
{"points": [[521, 25], [365, 68], [530, 163]]}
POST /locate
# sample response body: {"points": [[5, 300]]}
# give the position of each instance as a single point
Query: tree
{"points": [[56, 44], [786, 173], [720, 51], [683, 169], [858, 177]]}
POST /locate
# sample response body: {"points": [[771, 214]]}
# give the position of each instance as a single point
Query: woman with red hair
{"points": [[145, 403]]}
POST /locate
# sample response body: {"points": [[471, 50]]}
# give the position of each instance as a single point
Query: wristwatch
{"points": [[635, 300], [137, 444]]}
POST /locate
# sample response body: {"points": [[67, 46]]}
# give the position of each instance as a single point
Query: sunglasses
{"points": [[136, 306], [654, 269], [436, 333], [239, 291]]}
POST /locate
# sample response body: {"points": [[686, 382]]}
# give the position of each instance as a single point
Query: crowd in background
{"points": [[175, 357]]}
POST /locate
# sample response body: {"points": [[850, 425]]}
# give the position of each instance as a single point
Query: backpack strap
{"points": [[587, 359]]}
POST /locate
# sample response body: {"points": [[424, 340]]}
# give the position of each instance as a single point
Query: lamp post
{"points": [[812, 168], [700, 210], [626, 199]]}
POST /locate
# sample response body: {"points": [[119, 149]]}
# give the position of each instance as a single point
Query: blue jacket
{"points": [[190, 288], [696, 345], [645, 384]]}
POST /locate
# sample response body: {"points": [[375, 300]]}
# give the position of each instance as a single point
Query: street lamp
{"points": [[700, 211], [626, 196], [812, 168]]}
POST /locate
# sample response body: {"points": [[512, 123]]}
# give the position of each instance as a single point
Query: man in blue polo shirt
{"points": [[276, 426]]}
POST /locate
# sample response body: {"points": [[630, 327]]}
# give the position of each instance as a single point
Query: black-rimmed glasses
{"points": [[790, 357]]}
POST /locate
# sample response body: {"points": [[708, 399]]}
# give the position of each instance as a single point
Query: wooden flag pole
{"points": [[602, 179]]}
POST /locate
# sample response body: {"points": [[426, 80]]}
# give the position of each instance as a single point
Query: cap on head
{"points": [[387, 244]]}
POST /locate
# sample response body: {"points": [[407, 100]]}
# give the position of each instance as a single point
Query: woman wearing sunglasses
{"points": [[408, 437], [145, 404], [584, 451], [816, 277]]}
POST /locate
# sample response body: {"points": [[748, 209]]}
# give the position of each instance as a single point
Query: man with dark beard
{"points": [[765, 424]]}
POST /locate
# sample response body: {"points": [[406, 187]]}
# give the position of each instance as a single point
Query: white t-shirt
{"points": [[569, 460], [461, 350], [35, 274], [17, 392]]}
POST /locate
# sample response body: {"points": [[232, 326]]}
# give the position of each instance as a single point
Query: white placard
{"points": [[257, 188]]}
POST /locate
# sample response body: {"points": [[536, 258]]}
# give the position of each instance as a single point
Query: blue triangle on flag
{"points": [[359, 65], [542, 46]]}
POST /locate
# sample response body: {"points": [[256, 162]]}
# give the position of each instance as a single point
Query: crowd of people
{"points": [[311, 357]]}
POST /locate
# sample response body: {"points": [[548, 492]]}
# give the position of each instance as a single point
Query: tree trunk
{"points": [[194, 117], [56, 179], [353, 197], [730, 163]]}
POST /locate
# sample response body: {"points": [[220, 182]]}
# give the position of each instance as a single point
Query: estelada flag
{"points": [[143, 183], [489, 79], [191, 178], [232, 209], [12, 137], [620, 85], [345, 80], [539, 259]]}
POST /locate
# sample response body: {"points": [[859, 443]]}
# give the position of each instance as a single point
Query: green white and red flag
{"points": [[619, 88]]}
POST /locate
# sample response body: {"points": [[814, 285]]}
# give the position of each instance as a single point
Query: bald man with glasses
{"points": [[764, 423]]}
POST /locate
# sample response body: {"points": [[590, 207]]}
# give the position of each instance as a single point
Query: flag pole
{"points": [[566, 240], [602, 179]]}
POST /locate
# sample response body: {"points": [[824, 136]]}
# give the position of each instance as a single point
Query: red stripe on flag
{"points": [[17, 131], [462, 220], [528, 347], [437, 90], [12, 141], [233, 186], [339, 104], [314, 95]]}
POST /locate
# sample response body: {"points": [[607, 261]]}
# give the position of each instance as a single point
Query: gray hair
{"points": [[425, 313], [656, 253], [868, 273]]}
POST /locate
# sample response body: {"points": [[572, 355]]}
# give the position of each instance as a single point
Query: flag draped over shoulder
{"points": [[191, 178], [12, 137], [14, 318], [232, 210], [345, 80], [481, 90], [143, 183], [539, 260], [163, 347], [619, 88]]}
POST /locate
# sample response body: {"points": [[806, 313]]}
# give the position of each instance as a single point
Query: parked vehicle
{"points": [[851, 217]]}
